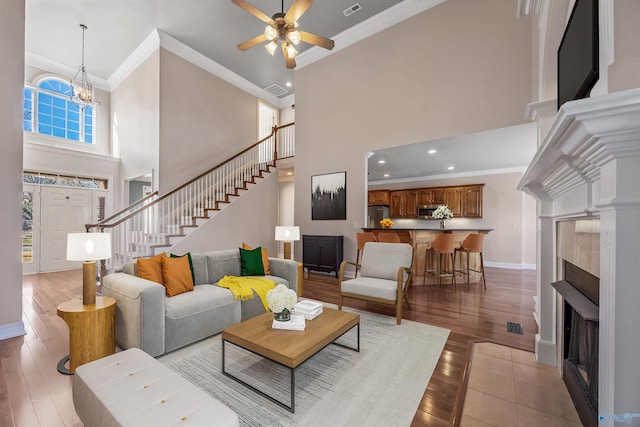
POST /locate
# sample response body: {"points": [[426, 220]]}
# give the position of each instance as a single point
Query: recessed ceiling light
{"points": [[288, 84], [386, 175], [431, 151], [451, 168], [289, 173], [381, 161]]}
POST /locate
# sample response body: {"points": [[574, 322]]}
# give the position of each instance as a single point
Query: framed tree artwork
{"points": [[329, 196]]}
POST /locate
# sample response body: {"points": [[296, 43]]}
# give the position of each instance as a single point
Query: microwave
{"points": [[426, 211]]}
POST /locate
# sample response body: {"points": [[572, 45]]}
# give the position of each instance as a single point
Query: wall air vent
{"points": [[276, 89], [351, 10]]}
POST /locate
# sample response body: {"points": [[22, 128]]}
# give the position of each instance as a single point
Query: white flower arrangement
{"points": [[280, 298], [442, 212]]}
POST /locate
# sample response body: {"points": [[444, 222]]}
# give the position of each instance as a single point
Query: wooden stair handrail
{"points": [[102, 224], [121, 211]]}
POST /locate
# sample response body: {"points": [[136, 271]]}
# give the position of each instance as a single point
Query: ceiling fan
{"points": [[282, 27]]}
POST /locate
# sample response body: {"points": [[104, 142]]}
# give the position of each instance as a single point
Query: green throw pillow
{"points": [[188, 255], [251, 262]]}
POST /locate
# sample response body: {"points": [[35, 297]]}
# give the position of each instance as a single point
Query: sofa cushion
{"points": [[177, 275], [188, 255], [372, 287], [265, 257], [251, 262], [200, 272], [192, 316], [151, 268], [222, 263]]}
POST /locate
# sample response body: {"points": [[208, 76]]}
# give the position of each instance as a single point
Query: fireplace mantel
{"points": [[588, 165]]}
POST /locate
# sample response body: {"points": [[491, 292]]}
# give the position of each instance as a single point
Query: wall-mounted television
{"points": [[578, 58]]}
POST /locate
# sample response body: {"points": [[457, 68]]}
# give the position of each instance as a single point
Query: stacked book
{"points": [[309, 309], [296, 323]]}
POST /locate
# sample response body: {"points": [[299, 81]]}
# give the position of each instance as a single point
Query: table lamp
{"points": [[88, 247], [287, 234]]}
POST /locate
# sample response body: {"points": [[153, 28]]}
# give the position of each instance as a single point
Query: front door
{"points": [[64, 210]]}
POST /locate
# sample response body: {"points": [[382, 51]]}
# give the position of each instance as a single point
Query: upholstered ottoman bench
{"points": [[131, 388]]}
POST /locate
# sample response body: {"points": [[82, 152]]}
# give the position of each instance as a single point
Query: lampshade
{"points": [[88, 246], [287, 233], [271, 47]]}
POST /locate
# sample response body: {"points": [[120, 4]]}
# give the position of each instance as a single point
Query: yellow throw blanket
{"points": [[242, 287]]}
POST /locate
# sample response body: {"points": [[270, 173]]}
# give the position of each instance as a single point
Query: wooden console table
{"points": [[322, 253], [91, 331]]}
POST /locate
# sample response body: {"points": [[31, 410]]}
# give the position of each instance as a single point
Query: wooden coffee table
{"points": [[289, 348]]}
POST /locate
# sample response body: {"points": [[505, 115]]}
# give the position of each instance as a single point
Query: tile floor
{"points": [[507, 387]]}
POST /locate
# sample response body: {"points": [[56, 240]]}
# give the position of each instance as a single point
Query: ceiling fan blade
{"points": [[316, 40], [254, 11], [252, 42], [297, 9], [291, 62]]}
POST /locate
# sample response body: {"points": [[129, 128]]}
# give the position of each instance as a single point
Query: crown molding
{"points": [[385, 19], [535, 111], [188, 54], [133, 61], [50, 66]]}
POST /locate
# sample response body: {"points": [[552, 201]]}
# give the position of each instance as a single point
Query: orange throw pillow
{"points": [[177, 275], [265, 258], [151, 268]]}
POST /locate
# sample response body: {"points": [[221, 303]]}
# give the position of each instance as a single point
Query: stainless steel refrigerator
{"points": [[375, 214]]}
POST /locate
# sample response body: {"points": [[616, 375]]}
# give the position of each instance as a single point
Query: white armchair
{"points": [[385, 272]]}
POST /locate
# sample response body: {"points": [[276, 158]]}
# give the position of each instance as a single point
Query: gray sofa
{"points": [[147, 319]]}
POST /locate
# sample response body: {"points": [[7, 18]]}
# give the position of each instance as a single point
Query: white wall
{"points": [[11, 87], [461, 67]]}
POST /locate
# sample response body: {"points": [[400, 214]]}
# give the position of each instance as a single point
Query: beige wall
{"points": [[203, 120], [251, 218], [461, 67], [11, 86], [135, 127]]}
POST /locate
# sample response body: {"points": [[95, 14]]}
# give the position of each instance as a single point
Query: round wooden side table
{"points": [[91, 331]]}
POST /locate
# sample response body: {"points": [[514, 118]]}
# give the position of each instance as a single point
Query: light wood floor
{"points": [[33, 393]]}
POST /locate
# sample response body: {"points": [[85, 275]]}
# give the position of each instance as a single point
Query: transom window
{"points": [[48, 110]]}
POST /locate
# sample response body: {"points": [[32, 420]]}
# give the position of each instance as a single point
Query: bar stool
{"points": [[472, 244], [389, 238], [363, 238], [441, 247]]}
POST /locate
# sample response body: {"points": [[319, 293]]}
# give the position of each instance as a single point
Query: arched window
{"points": [[48, 110]]}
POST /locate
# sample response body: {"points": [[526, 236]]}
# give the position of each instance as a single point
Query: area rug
{"points": [[381, 385]]}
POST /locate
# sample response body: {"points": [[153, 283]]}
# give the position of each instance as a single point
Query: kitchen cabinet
{"points": [[378, 198], [453, 199], [472, 201], [431, 196], [404, 204], [322, 253]]}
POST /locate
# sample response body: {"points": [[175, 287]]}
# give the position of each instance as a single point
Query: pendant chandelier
{"points": [[81, 89]]}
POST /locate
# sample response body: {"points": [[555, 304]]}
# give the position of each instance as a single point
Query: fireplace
{"points": [[580, 326]]}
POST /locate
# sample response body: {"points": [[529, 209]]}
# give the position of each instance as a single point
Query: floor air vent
{"points": [[276, 89], [515, 328]]}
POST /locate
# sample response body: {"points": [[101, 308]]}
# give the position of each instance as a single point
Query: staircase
{"points": [[158, 222]]}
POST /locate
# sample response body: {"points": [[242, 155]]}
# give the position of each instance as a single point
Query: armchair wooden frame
{"points": [[401, 294]]}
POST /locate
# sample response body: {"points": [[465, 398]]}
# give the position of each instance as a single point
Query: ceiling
{"points": [[509, 148], [211, 27]]}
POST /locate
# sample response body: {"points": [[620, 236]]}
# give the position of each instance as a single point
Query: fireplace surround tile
{"points": [[546, 400]]}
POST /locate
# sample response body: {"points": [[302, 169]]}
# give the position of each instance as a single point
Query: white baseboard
{"points": [[12, 330], [546, 352], [510, 265]]}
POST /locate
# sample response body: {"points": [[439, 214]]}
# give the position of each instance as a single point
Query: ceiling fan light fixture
{"points": [[271, 47], [294, 37], [291, 51], [270, 33]]}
